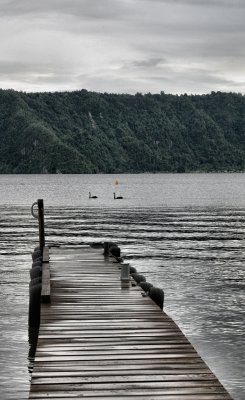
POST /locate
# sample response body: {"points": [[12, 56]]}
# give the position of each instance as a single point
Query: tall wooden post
{"points": [[41, 224]]}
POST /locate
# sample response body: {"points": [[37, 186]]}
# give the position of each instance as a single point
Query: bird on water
{"points": [[117, 197], [92, 197]]}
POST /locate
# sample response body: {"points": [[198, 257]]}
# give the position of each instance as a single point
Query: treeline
{"points": [[87, 132]]}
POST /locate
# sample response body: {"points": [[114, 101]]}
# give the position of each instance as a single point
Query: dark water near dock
{"points": [[184, 232]]}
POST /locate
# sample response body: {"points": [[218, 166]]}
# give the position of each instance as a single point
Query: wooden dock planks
{"points": [[98, 341]]}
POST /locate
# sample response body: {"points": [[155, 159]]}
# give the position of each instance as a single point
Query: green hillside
{"points": [[87, 132]]}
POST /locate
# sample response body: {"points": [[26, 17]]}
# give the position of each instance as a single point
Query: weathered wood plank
{"points": [[140, 389], [139, 397], [103, 347], [117, 364], [132, 397], [194, 372], [207, 379]]}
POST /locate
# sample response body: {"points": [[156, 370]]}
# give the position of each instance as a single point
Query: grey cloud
{"points": [[94, 9], [193, 77], [20, 67], [151, 62], [202, 3], [34, 72], [192, 81], [123, 45]]}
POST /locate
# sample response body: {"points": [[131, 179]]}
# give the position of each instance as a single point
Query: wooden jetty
{"points": [[100, 339]]}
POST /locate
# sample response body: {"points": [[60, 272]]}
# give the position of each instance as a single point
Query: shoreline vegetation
{"points": [[87, 132]]}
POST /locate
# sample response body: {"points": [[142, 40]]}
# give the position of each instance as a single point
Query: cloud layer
{"points": [[130, 46]]}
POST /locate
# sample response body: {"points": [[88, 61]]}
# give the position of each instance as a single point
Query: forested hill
{"points": [[87, 132]]}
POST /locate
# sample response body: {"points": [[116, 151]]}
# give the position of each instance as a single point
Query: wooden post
{"points": [[41, 224], [125, 277]]}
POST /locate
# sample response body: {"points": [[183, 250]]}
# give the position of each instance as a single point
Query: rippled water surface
{"points": [[184, 232]]}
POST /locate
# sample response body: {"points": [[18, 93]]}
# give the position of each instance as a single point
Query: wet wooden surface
{"points": [[98, 341]]}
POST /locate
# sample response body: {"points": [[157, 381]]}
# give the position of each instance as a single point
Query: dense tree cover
{"points": [[87, 132]]}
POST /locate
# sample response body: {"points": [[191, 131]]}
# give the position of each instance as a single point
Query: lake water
{"points": [[184, 232]]}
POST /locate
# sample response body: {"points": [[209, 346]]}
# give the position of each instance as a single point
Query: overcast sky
{"points": [[123, 46]]}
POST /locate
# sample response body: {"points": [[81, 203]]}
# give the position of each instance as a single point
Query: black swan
{"points": [[117, 197], [92, 197]]}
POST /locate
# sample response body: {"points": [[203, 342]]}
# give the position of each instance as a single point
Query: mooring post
{"points": [[125, 276], [41, 224], [40, 217]]}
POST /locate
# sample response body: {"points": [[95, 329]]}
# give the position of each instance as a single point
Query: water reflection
{"points": [[33, 338]]}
